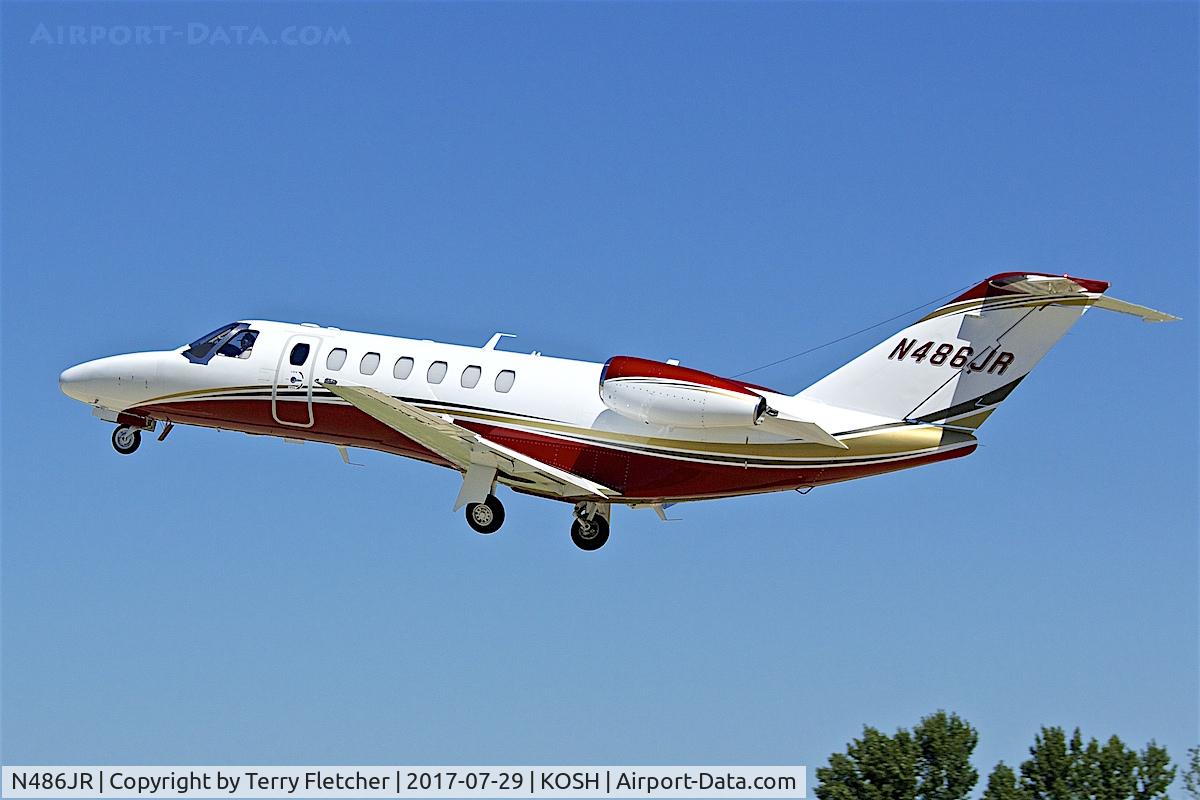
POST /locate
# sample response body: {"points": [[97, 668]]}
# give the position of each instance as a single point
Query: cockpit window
{"points": [[239, 345], [204, 348]]}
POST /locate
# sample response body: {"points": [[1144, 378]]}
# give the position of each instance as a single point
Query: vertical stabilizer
{"points": [[958, 363]]}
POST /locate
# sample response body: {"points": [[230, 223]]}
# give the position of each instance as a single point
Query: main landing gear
{"points": [[590, 529], [486, 517]]}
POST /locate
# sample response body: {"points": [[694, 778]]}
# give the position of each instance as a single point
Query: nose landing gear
{"points": [[590, 529], [126, 439]]}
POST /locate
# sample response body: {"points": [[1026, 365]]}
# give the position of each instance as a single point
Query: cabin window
{"points": [[436, 372], [505, 380], [299, 355], [470, 377], [403, 368], [336, 358], [369, 363]]}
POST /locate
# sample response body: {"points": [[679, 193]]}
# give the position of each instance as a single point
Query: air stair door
{"points": [[291, 396]]}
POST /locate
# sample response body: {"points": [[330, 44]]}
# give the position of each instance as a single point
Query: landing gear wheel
{"points": [[485, 517], [126, 439], [590, 535]]}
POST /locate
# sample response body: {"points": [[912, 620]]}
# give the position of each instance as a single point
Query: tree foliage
{"points": [[1153, 773], [1191, 777], [933, 762], [945, 743], [1062, 769], [1002, 784], [930, 763]]}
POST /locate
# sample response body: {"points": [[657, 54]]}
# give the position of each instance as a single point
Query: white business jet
{"points": [[630, 431]]}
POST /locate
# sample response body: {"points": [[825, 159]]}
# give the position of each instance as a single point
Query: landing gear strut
{"points": [[590, 529], [126, 439], [486, 517]]}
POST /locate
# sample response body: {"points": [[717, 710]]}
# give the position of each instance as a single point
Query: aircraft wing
{"points": [[480, 458]]}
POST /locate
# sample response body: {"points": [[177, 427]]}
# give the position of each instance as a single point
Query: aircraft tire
{"points": [[125, 439], [590, 535], [486, 517]]}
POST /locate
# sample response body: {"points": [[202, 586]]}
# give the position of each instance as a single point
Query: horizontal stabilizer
{"points": [[1123, 307], [1053, 285]]}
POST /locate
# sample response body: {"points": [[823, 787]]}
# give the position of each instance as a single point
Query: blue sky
{"points": [[724, 184]]}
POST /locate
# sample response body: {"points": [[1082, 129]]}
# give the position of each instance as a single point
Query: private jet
{"points": [[631, 431]]}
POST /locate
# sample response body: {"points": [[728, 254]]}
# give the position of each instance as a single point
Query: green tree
{"points": [[944, 771], [1109, 771], [1062, 769], [1154, 773], [933, 762], [1047, 773], [1002, 784], [874, 767], [1191, 777]]}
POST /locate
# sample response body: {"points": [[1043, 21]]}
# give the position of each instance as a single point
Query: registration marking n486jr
{"points": [[993, 360]]}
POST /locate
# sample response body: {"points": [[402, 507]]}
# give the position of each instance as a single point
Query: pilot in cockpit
{"points": [[239, 346]]}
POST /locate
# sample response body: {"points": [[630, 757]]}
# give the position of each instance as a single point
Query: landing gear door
{"points": [[291, 395]]}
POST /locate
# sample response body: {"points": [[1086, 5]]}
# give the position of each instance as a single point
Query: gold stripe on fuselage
{"points": [[888, 442], [884, 443]]}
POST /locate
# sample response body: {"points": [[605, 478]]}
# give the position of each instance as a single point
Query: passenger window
{"points": [[337, 357], [437, 371], [299, 355], [369, 363], [403, 368], [470, 376], [505, 379]]}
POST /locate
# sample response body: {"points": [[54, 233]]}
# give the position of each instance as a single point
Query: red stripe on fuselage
{"points": [[332, 424], [637, 476]]}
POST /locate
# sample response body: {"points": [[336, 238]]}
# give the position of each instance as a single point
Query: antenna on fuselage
{"points": [[495, 340]]}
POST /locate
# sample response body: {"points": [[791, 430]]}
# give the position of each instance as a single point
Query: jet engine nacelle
{"points": [[665, 394]]}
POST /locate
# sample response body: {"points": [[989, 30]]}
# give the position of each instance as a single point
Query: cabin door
{"points": [[291, 396]]}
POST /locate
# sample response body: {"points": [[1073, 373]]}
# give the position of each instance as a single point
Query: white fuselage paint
{"points": [[557, 389]]}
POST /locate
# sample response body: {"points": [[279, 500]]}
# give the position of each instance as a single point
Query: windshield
{"points": [[234, 340]]}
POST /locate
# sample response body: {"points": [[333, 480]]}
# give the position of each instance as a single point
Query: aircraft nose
{"points": [[75, 382], [113, 382]]}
